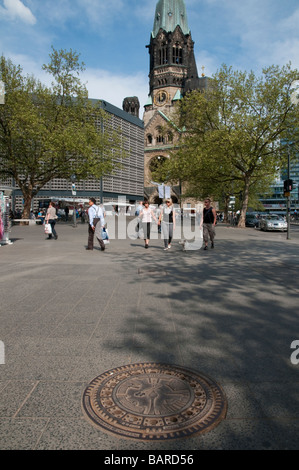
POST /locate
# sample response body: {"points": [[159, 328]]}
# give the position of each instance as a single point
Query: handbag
{"points": [[48, 229], [105, 236]]}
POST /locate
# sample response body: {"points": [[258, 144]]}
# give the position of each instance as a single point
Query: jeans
{"points": [[167, 233], [52, 222]]}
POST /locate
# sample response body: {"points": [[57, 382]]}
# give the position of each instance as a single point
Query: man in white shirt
{"points": [[95, 216]]}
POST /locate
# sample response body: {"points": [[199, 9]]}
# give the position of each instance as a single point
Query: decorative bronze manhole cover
{"points": [[154, 402]]}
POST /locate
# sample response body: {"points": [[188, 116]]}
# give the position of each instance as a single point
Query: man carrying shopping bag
{"points": [[95, 217]]}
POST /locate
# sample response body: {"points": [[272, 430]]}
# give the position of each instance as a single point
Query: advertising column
{"points": [[5, 223]]}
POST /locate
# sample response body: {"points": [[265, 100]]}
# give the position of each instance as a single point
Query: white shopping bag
{"points": [[48, 229]]}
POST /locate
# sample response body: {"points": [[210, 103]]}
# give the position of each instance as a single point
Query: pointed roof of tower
{"points": [[169, 14]]}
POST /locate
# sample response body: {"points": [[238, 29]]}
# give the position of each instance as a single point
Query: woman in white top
{"points": [[51, 219], [147, 217]]}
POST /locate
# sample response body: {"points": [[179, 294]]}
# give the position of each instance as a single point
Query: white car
{"points": [[273, 222]]}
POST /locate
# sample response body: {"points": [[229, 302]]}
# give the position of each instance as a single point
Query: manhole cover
{"points": [[154, 402]]}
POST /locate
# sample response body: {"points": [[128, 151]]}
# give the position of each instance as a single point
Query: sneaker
{"points": [[169, 246], [166, 248], [205, 248]]}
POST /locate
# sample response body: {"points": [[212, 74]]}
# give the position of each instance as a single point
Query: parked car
{"points": [[273, 222], [252, 220]]}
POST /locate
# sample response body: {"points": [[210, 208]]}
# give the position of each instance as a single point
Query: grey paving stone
{"points": [[68, 315]]}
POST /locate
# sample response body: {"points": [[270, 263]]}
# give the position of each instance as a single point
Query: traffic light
{"points": [[288, 185]]}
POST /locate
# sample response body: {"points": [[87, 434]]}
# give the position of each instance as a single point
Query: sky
{"points": [[111, 38]]}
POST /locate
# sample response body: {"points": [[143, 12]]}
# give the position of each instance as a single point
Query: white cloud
{"points": [[99, 11], [101, 84], [206, 63], [104, 85], [250, 35], [16, 10]]}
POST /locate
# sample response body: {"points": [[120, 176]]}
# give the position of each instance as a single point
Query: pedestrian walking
{"points": [[147, 216], [95, 216], [137, 213], [51, 219], [167, 222], [208, 223]]}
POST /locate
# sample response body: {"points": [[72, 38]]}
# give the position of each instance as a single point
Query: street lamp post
{"points": [[73, 180], [294, 100], [288, 198]]}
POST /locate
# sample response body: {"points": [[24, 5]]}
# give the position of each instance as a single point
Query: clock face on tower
{"points": [[161, 97]]}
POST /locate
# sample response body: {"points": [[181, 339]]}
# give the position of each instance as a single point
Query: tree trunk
{"points": [[27, 205], [242, 218]]}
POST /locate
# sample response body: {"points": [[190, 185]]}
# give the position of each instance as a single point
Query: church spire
{"points": [[171, 49], [169, 14]]}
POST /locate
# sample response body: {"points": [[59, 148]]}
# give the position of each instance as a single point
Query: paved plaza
{"points": [[68, 315]]}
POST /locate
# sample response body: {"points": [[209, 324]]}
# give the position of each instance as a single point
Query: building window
{"points": [[163, 55], [159, 136], [177, 55], [149, 139]]}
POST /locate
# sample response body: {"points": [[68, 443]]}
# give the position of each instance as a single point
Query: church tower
{"points": [[173, 72]]}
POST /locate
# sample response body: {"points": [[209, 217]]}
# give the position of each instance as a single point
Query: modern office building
{"points": [[127, 181], [275, 201]]}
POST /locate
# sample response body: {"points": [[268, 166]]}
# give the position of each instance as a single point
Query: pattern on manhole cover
{"points": [[154, 401]]}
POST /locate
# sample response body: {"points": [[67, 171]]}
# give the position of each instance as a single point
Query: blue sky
{"points": [[111, 36]]}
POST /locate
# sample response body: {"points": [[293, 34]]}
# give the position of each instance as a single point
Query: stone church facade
{"points": [[173, 73]]}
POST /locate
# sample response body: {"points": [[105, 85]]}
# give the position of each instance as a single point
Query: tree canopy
{"points": [[52, 132], [231, 133]]}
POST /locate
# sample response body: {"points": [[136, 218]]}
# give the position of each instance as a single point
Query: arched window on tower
{"points": [[177, 54], [163, 55], [159, 135], [149, 139]]}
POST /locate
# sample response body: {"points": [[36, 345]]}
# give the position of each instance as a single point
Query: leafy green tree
{"points": [[232, 132], [52, 132]]}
